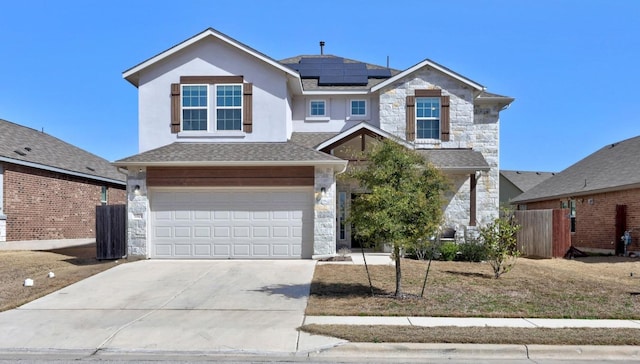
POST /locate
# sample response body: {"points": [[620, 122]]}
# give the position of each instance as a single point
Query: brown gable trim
{"points": [[210, 79], [230, 176], [363, 132], [428, 93]]}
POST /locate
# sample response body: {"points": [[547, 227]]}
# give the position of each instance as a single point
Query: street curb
{"points": [[422, 351], [408, 351], [591, 352]]}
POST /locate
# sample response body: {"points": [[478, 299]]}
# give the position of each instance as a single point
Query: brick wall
{"points": [[596, 218], [47, 205]]}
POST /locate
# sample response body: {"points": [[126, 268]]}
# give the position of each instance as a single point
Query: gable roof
{"points": [[29, 147], [434, 65], [238, 154], [132, 74], [525, 180], [362, 126], [614, 167]]}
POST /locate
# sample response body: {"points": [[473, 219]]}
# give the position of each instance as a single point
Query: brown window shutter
{"points": [[444, 118], [411, 118], [175, 108], [247, 108]]}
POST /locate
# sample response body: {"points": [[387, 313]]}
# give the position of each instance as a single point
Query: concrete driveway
{"points": [[171, 307]]}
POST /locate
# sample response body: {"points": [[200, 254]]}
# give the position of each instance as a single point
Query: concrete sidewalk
{"points": [[44, 244], [470, 322]]}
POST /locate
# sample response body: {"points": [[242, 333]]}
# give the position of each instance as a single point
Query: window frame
{"points": [[365, 107], [216, 107], [183, 107], [212, 108], [428, 119], [324, 108], [104, 195]]}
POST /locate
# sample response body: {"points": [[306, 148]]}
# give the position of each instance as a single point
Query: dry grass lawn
{"points": [[69, 266], [593, 287]]}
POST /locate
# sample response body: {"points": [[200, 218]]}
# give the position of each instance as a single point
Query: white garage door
{"points": [[232, 223]]}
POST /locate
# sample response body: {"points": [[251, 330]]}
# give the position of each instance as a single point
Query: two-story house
{"points": [[240, 153]]}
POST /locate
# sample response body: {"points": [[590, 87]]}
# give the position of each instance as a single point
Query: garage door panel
{"points": [[231, 223]]}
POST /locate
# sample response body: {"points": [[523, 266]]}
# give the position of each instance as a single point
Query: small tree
{"points": [[403, 203], [500, 241]]}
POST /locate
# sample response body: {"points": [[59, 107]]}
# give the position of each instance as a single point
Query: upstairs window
{"points": [[427, 117], [317, 108], [358, 108], [229, 107], [212, 104], [194, 107]]}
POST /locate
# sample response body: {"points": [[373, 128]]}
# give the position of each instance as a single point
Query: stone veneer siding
{"points": [[471, 126], [138, 214], [324, 219], [41, 204], [596, 219]]}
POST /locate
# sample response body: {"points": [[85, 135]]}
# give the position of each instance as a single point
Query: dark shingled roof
{"points": [[22, 145], [456, 159], [310, 140], [613, 167], [526, 180], [228, 152]]}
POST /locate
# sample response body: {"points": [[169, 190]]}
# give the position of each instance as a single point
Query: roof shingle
{"points": [[615, 166], [212, 153], [20, 144]]}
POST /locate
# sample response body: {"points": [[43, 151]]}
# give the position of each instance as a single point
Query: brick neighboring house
{"points": [[239, 153], [602, 193], [49, 188], [514, 183]]}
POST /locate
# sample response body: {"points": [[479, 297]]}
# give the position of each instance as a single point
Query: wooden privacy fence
{"points": [[111, 231], [544, 233]]}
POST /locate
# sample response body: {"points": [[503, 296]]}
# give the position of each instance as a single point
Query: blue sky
{"points": [[573, 66]]}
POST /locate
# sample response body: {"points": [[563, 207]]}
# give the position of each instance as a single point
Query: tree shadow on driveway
{"points": [[287, 290]]}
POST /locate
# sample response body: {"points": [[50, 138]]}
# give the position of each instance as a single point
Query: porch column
{"points": [[324, 219], [472, 199]]}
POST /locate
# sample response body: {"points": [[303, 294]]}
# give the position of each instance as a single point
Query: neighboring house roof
{"points": [[132, 74], [613, 167], [32, 148], [238, 154], [456, 160], [525, 180]]}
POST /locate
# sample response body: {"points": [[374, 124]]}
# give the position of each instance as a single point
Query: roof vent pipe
{"points": [[322, 47]]}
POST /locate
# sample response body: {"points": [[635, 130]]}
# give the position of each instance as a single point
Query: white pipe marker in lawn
{"points": [[28, 282], [51, 275]]}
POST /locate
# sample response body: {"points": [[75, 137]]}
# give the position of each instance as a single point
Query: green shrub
{"points": [[472, 251], [448, 250]]}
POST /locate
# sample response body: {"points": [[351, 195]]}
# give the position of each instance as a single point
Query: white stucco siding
{"points": [[338, 118], [212, 58]]}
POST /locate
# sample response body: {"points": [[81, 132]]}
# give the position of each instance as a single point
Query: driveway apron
{"points": [[169, 306]]}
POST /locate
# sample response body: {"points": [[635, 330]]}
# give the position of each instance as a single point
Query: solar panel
{"points": [[331, 71]]}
